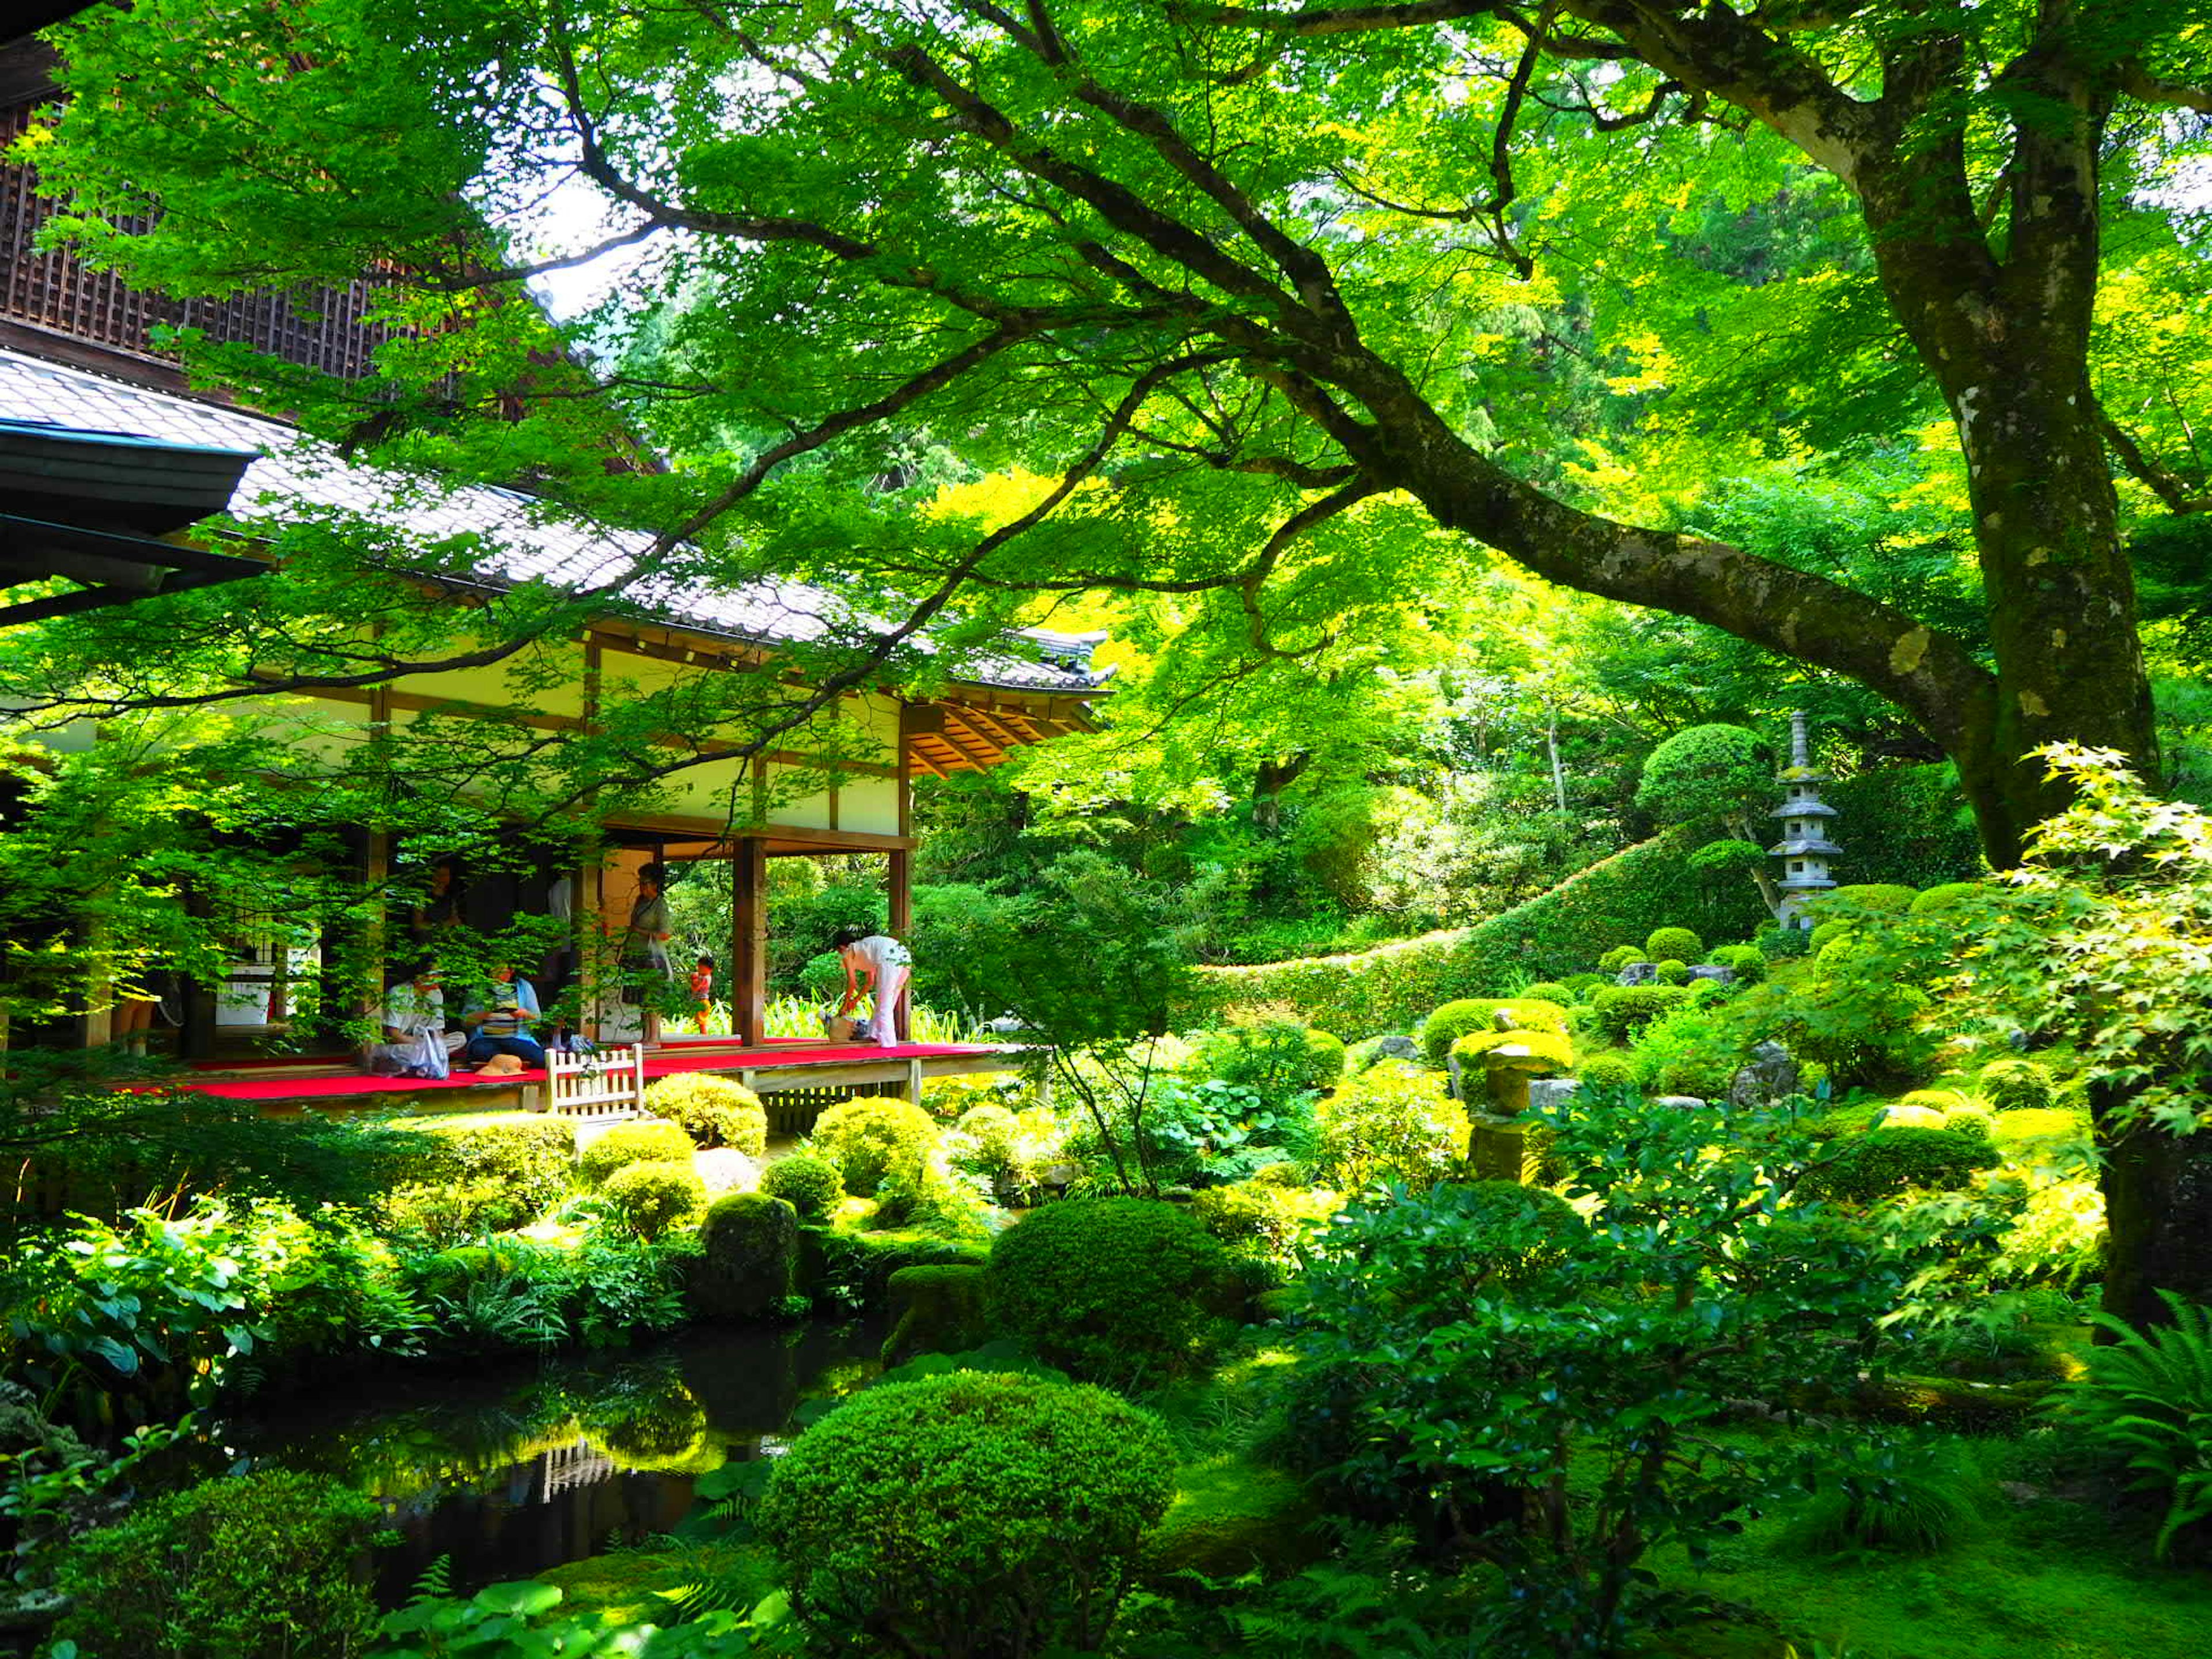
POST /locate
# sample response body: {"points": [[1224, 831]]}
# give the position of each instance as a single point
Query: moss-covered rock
{"points": [[937, 1309], [856, 1269], [1231, 1517], [749, 1257]]}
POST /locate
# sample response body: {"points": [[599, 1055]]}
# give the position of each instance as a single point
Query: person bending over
{"points": [[878, 963]]}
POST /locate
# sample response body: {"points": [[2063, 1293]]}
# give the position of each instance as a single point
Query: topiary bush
{"points": [[2016, 1086], [528, 1156], [1886, 1161], [1826, 933], [649, 1199], [1945, 895], [1610, 1069], [937, 1308], [1584, 984], [1110, 1289], [1676, 944], [1545, 991], [747, 1256], [259, 1567], [1746, 962], [1624, 1009], [1674, 971], [632, 1143], [807, 1182], [715, 1111], [1456, 1019], [1393, 1123], [973, 1513], [1620, 956], [871, 1137]]}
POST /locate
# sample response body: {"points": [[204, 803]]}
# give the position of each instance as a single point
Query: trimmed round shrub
{"points": [[991, 1130], [260, 1566], [1826, 933], [1901, 1115], [632, 1143], [871, 1137], [2015, 1086], [715, 1111], [1624, 1009], [1747, 962], [747, 1256], [1879, 897], [976, 1513], [1550, 1054], [936, 1309], [1546, 991], [1109, 1289], [1674, 971], [1608, 1070], [1620, 956], [1678, 944], [649, 1199], [1276, 1058], [809, 1183], [1456, 1019], [1886, 1161], [527, 1156], [1393, 1123], [1944, 895], [1941, 1101]]}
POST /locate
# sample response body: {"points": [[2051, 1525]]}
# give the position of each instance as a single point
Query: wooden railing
{"points": [[610, 1084]]}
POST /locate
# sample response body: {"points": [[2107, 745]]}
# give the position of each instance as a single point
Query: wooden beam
{"points": [[749, 942], [979, 756], [901, 906]]}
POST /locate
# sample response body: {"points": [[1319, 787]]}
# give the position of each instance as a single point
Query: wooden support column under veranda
{"points": [[748, 940]]}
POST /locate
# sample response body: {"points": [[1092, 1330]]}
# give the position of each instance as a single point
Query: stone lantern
{"points": [[1804, 848]]}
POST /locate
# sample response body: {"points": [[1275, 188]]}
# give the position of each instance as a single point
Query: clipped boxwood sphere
{"points": [[1678, 944], [988, 1514], [747, 1256], [715, 1111], [1944, 895], [1620, 956], [1610, 1069], [2015, 1086], [807, 1182], [1546, 991], [1828, 933], [649, 1199], [1109, 1289], [874, 1136], [1674, 971], [1881, 897], [1456, 1019], [632, 1143], [1582, 984], [1747, 962], [1625, 1010]]}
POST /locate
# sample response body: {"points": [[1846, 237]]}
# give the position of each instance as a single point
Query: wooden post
{"points": [[901, 912], [591, 944], [749, 941], [375, 871]]}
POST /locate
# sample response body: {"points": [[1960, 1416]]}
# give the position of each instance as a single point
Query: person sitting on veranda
{"points": [[498, 1020], [414, 1020], [878, 963]]}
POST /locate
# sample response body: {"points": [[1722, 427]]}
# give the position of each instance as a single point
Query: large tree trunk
{"points": [[2158, 1205]]}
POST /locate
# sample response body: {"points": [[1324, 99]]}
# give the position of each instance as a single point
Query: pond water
{"points": [[513, 1468]]}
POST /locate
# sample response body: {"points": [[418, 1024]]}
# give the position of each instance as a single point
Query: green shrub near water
{"points": [[481, 1172], [632, 1143], [1447, 1024], [715, 1111], [808, 1182], [973, 1513], [1679, 944], [261, 1567], [650, 1198], [871, 1137], [1110, 1289], [748, 1256]]}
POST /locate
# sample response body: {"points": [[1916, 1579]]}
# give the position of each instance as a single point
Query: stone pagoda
{"points": [[1804, 847]]}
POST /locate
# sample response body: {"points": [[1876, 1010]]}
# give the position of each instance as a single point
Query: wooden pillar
{"points": [[375, 872], [749, 941], [592, 943], [196, 1034], [902, 914]]}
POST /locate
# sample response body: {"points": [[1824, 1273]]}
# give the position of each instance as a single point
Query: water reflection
{"points": [[511, 1470]]}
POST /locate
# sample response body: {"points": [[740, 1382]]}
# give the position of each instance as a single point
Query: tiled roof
{"points": [[540, 545]]}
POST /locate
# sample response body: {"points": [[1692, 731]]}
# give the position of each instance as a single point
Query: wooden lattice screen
{"points": [[325, 330]]}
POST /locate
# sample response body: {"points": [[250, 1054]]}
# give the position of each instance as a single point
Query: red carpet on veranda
{"points": [[662, 1064]]}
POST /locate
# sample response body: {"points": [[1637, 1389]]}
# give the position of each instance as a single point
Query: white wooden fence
{"points": [[607, 1084]]}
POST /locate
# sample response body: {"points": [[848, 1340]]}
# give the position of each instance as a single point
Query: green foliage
{"points": [[1624, 1009], [531, 1155], [1608, 1069], [1689, 1052], [1113, 1289], [715, 1111], [1392, 1123], [1826, 933], [260, 1566], [1447, 1024], [1619, 958], [1549, 1053], [811, 1184], [650, 1198], [1883, 1495], [1944, 895], [2015, 1086], [1882, 1161], [747, 1256], [1584, 984], [1261, 1222], [645, 1142], [1746, 961], [937, 1309], [1214, 1130], [2147, 1403], [1545, 991], [1703, 773], [870, 1138], [1873, 898], [1676, 944], [1674, 971], [523, 1620], [1276, 1059], [970, 1513], [1856, 1011]]}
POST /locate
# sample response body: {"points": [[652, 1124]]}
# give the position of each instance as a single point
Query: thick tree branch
{"points": [[2145, 87], [2164, 482]]}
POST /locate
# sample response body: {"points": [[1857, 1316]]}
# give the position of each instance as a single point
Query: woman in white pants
{"points": [[879, 962]]}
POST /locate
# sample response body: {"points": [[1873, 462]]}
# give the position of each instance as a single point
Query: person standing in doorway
{"points": [[645, 949], [703, 991], [879, 962]]}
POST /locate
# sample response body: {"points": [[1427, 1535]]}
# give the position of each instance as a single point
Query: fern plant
{"points": [[2146, 1401]]}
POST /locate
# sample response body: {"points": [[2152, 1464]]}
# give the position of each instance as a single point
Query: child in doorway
{"points": [[702, 990]]}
